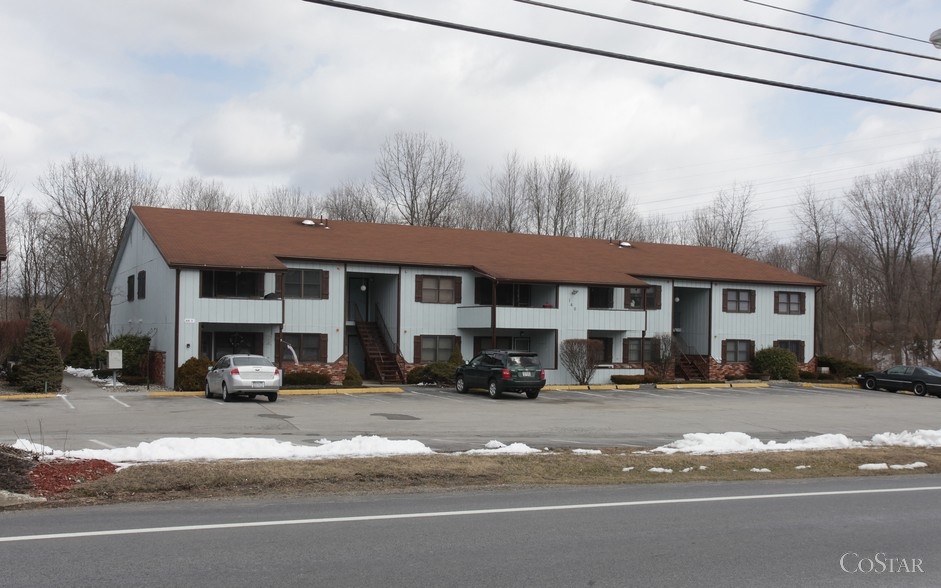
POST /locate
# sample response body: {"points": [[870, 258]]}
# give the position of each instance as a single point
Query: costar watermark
{"points": [[880, 563]]}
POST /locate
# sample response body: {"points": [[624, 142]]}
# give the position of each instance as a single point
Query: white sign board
{"points": [[114, 359]]}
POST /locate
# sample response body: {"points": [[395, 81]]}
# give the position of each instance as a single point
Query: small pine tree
{"points": [[40, 367], [80, 352], [352, 377]]}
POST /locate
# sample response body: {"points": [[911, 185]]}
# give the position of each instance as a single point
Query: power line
{"points": [[619, 56], [726, 41], [840, 22], [784, 30]]}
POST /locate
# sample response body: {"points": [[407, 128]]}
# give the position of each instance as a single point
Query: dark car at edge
{"points": [[918, 379], [498, 371]]}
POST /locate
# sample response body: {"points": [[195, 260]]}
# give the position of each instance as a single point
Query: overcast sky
{"points": [[259, 93]]}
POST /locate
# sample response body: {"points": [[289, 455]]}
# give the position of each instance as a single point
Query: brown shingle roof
{"points": [[188, 238]]}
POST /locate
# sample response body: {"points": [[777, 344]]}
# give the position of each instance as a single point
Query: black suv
{"points": [[499, 371]]}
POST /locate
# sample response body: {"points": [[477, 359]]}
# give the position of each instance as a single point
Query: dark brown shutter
{"points": [[457, 345], [777, 302], [753, 302], [279, 285], [418, 286], [457, 290], [803, 303], [801, 358], [751, 350], [130, 288], [725, 305], [725, 351], [625, 350], [417, 356], [323, 348], [658, 297], [325, 284]]}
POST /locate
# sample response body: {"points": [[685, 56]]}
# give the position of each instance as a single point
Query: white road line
{"points": [[451, 513], [119, 402], [66, 400], [439, 397]]}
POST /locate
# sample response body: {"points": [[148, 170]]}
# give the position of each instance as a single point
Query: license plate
{"points": [[527, 374], [257, 384]]}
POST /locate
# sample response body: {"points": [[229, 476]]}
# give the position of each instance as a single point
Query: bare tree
{"points": [[503, 197], [199, 194], [654, 229], [888, 224], [730, 223], [607, 211], [88, 200], [283, 201], [581, 358], [356, 201], [419, 177]]}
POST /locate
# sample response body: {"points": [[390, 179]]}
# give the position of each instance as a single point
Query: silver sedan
{"points": [[243, 375]]}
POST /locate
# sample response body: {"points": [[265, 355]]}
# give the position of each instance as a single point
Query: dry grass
{"points": [[442, 471]]}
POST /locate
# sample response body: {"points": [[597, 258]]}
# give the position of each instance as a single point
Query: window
{"points": [[432, 348], [130, 288], [789, 303], [141, 285], [438, 289], [228, 284], [599, 297], [738, 300], [482, 343], [642, 298], [737, 350], [310, 284], [507, 294], [795, 347], [309, 347], [607, 345], [633, 347]]}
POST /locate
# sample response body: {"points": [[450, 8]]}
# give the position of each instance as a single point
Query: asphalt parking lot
{"points": [[88, 416]]}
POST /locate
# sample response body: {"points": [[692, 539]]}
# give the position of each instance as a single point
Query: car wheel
{"points": [[532, 394], [920, 389], [459, 385], [208, 393], [273, 397], [870, 384], [226, 397], [492, 389]]}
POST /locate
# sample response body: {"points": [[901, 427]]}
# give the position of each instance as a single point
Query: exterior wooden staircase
{"points": [[380, 361], [692, 367]]}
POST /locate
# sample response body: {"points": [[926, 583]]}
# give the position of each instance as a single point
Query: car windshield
{"points": [[251, 361]]}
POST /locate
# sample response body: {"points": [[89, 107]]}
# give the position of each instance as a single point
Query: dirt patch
{"points": [[50, 478]]}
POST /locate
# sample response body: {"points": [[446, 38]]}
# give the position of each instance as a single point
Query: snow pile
{"points": [[716, 443], [499, 447]]}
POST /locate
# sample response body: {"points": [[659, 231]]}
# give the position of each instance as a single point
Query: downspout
{"points": [[176, 327], [493, 314]]}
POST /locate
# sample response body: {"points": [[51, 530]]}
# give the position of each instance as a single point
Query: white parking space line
{"points": [[439, 397], [119, 402], [102, 443], [66, 401], [586, 394]]}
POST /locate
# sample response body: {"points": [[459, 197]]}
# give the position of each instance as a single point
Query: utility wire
{"points": [[620, 56], [726, 41], [838, 22], [784, 30]]}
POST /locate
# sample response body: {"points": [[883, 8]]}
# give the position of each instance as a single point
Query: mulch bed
{"points": [[22, 472]]}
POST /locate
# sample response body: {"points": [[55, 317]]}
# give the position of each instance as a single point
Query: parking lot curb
{"points": [[310, 392], [25, 396]]}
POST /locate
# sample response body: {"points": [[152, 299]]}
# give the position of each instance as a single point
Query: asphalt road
{"points": [[91, 417], [838, 532]]}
